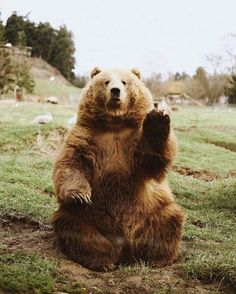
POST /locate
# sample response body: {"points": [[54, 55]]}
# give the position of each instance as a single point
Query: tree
{"points": [[154, 84], [31, 33], [2, 32], [14, 72], [24, 78], [62, 55], [230, 91], [7, 72], [21, 40], [54, 46], [216, 87], [177, 76], [80, 81], [197, 87], [14, 25], [43, 41]]}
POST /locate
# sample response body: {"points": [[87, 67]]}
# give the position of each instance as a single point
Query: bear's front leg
{"points": [[157, 145], [71, 178]]}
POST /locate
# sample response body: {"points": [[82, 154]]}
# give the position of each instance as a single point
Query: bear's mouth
{"points": [[114, 102]]}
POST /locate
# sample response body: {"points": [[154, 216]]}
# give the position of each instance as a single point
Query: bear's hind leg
{"points": [[157, 243], [83, 243]]}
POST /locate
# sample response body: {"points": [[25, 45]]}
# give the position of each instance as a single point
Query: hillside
{"points": [[50, 82], [40, 69]]}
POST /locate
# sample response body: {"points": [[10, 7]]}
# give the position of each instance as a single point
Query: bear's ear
{"points": [[136, 72], [95, 71]]}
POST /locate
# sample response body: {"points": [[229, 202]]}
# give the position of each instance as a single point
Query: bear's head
{"points": [[115, 95]]}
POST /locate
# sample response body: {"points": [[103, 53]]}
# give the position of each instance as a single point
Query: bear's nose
{"points": [[115, 92]]}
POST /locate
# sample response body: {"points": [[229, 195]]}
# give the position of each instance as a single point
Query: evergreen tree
{"points": [[14, 25], [230, 91], [21, 40], [54, 46], [62, 56], [31, 33], [2, 33], [24, 78], [44, 41], [7, 72]]}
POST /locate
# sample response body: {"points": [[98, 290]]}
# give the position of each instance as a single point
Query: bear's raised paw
{"points": [[156, 122]]}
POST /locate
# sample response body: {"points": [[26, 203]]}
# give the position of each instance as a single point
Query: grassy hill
{"points": [[50, 82]]}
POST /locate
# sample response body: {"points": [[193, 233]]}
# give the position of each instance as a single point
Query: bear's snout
{"points": [[115, 94]]}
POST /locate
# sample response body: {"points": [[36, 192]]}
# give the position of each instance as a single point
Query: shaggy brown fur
{"points": [[115, 206]]}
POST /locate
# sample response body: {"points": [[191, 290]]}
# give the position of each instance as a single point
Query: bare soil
{"points": [[201, 175], [20, 233], [186, 129], [228, 146]]}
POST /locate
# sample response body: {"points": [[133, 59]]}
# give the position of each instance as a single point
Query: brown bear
{"points": [[115, 206]]}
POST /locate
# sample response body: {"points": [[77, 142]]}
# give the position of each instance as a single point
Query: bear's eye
{"points": [[107, 82], [123, 82]]}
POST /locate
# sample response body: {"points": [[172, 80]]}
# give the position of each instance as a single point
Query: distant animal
{"points": [[43, 118], [115, 205]]}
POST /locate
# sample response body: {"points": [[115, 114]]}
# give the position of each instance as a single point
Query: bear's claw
{"points": [[77, 196]]}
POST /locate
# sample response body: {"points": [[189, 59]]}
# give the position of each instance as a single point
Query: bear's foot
{"points": [[102, 264], [83, 242], [161, 261]]}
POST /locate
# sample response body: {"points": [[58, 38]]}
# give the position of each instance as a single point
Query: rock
{"points": [[51, 99]]}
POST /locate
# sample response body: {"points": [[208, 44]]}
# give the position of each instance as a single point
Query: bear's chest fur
{"points": [[113, 179], [113, 149]]}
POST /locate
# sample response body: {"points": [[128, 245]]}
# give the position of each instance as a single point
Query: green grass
{"points": [[22, 273], [210, 206], [47, 88], [206, 144]]}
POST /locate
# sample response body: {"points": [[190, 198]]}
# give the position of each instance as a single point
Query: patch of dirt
{"points": [[232, 174], [228, 146], [203, 175], [7, 101], [20, 233], [222, 128], [183, 130], [18, 223], [199, 223]]}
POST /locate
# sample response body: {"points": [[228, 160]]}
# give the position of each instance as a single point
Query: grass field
{"points": [[203, 181]]}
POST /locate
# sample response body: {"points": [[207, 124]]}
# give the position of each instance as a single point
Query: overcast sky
{"points": [[153, 35]]}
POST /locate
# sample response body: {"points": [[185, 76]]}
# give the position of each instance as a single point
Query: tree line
{"points": [[56, 46], [200, 86]]}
